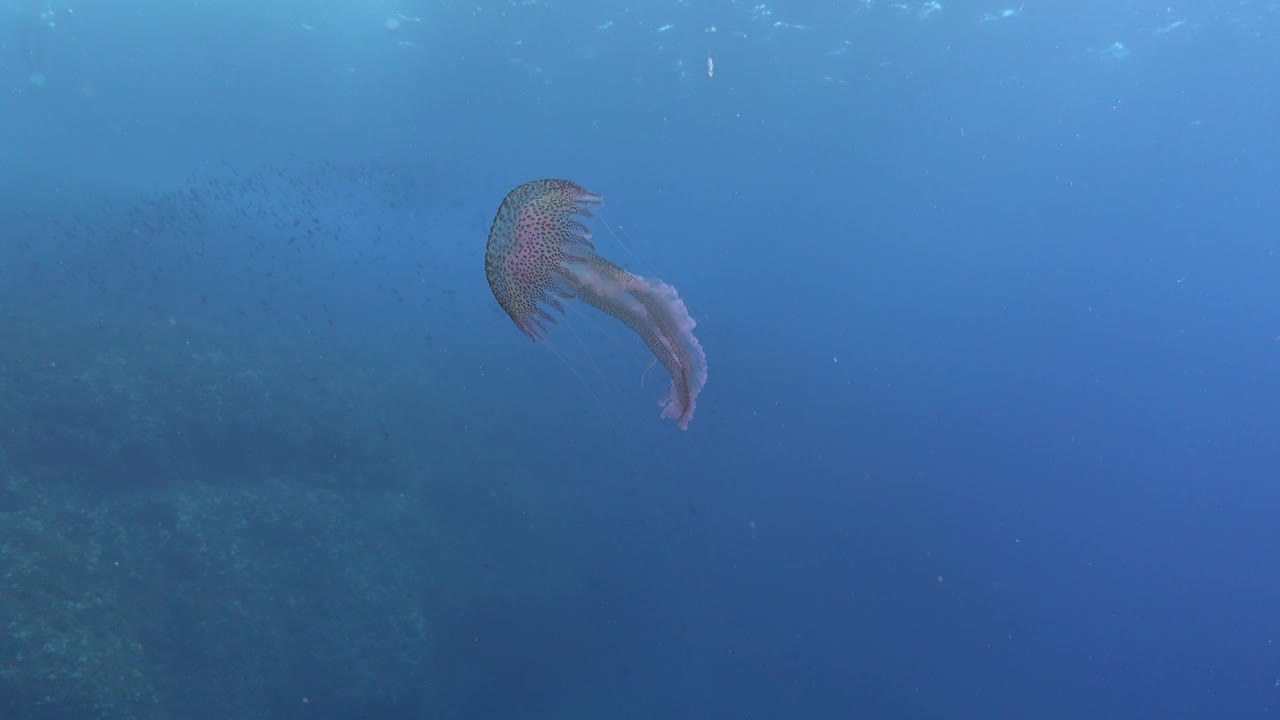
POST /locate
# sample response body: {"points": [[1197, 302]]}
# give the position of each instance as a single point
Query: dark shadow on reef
{"points": [[191, 533]]}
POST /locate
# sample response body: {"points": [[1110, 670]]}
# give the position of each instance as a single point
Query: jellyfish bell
{"points": [[540, 254], [392, 23]]}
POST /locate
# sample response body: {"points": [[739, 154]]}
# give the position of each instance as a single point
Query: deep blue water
{"points": [[988, 295]]}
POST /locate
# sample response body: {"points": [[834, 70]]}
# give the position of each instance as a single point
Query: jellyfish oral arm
{"points": [[654, 311]]}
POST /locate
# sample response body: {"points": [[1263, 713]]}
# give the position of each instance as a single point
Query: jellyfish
{"points": [[540, 253]]}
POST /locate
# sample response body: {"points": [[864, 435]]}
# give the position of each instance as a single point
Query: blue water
{"points": [[987, 293]]}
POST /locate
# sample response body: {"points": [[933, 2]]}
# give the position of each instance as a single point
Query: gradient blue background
{"points": [[989, 307]]}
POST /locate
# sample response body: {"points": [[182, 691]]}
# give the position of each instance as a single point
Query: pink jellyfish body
{"points": [[540, 253]]}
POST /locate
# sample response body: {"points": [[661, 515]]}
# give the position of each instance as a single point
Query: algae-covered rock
{"points": [[68, 641]]}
